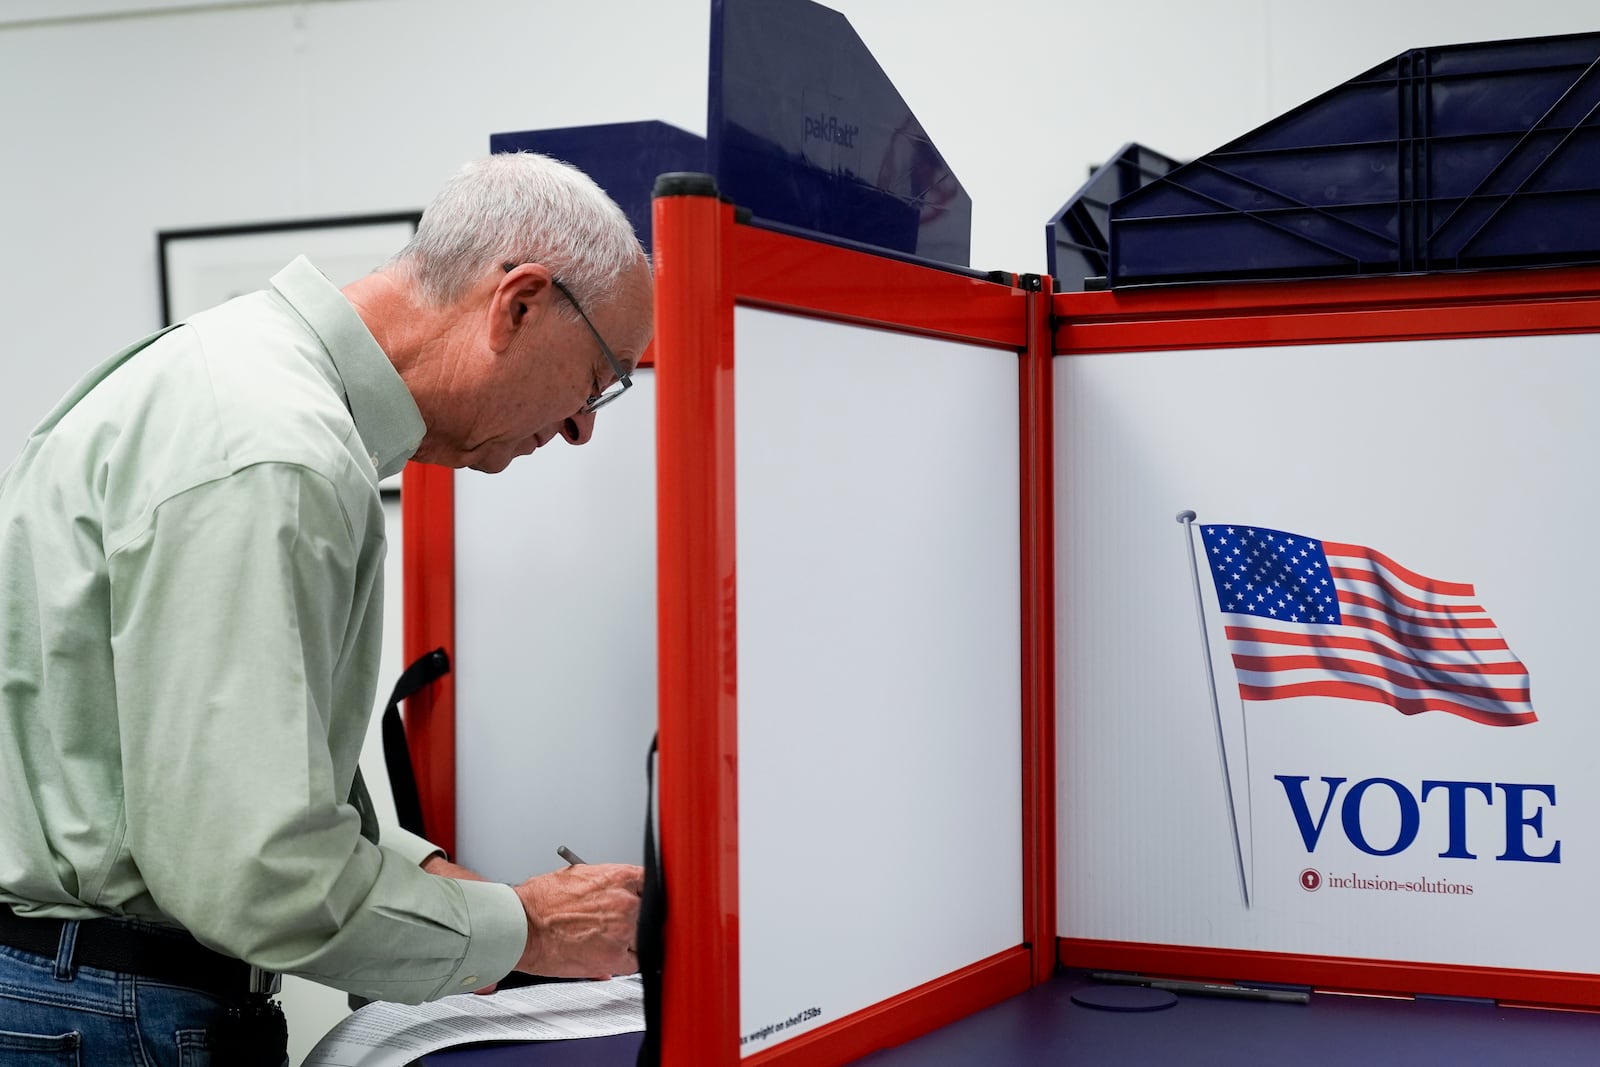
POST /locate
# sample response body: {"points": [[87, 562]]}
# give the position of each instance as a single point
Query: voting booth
{"points": [[1324, 727], [1339, 745], [1224, 621], [851, 732]]}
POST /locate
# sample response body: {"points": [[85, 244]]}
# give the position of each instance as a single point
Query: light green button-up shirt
{"points": [[191, 588]]}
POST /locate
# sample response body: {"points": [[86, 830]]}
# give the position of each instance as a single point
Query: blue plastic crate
{"points": [[1457, 157], [1078, 237], [805, 131], [622, 157]]}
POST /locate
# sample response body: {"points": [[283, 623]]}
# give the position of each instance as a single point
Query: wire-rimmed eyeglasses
{"points": [[624, 379]]}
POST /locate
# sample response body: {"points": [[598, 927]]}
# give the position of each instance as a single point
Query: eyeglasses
{"points": [[624, 380]]}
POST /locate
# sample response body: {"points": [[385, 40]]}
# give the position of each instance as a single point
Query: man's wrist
{"points": [[526, 962]]}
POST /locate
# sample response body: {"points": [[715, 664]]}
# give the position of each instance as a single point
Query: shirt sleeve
{"points": [[416, 850], [235, 612]]}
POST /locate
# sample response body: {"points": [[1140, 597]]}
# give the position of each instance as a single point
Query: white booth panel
{"points": [[1362, 831], [555, 661], [879, 665]]}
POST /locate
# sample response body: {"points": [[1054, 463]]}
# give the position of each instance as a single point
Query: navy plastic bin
{"points": [[805, 132], [1078, 237], [1449, 158], [622, 157]]}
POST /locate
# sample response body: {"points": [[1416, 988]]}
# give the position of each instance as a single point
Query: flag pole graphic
{"points": [[1187, 519]]}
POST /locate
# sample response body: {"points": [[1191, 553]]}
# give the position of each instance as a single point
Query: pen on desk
{"points": [[570, 856], [1205, 989]]}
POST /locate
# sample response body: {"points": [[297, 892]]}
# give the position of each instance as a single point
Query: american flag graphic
{"points": [[1316, 618]]}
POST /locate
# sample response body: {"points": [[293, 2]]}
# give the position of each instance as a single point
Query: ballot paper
{"points": [[391, 1035]]}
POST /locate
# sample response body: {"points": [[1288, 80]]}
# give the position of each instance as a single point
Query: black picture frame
{"points": [[204, 266]]}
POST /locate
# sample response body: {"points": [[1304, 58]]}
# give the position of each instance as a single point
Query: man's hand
{"points": [[582, 921]]}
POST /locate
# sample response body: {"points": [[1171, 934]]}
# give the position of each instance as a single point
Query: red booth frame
{"points": [[1411, 308], [706, 264]]}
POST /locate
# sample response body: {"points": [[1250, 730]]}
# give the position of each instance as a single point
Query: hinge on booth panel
{"points": [[1034, 283], [741, 215], [1031, 283]]}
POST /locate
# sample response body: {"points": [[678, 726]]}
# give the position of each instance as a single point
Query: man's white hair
{"points": [[520, 207]]}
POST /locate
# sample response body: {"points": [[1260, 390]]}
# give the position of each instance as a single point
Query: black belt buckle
{"points": [[252, 1034]]}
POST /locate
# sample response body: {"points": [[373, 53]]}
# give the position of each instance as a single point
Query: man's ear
{"points": [[521, 298]]}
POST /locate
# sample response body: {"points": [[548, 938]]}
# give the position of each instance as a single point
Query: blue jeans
{"points": [[56, 1014]]}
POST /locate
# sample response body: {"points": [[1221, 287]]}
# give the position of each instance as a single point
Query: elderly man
{"points": [[191, 552]]}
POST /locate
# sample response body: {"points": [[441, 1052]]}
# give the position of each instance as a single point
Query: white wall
{"points": [[190, 114], [116, 127]]}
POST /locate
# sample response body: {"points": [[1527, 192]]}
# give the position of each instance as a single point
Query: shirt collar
{"points": [[386, 416]]}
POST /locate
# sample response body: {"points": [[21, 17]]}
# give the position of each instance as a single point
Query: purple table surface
{"points": [[1043, 1026]]}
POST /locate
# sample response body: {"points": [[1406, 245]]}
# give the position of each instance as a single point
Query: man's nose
{"points": [[578, 429]]}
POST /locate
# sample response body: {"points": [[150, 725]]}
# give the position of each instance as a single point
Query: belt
{"points": [[172, 957]]}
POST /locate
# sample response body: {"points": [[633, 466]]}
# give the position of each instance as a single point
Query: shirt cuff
{"points": [[407, 845], [499, 933]]}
